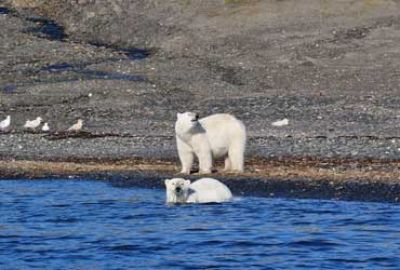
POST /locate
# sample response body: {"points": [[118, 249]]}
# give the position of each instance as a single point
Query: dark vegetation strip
{"points": [[90, 135], [93, 135]]}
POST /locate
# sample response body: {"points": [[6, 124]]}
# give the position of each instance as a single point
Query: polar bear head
{"points": [[177, 190], [186, 121]]}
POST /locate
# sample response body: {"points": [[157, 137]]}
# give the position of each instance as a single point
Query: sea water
{"points": [[79, 224]]}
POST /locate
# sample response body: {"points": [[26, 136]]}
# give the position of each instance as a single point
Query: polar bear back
{"points": [[221, 130], [206, 190]]}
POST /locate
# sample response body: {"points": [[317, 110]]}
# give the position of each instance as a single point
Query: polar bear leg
{"points": [[186, 161], [205, 161], [236, 156], [185, 156], [227, 164]]}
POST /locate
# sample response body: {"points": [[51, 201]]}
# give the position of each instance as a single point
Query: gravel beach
{"points": [[127, 67]]}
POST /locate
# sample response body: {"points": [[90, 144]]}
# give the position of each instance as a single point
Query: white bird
{"points": [[280, 123], [5, 124], [33, 124], [77, 126], [45, 127]]}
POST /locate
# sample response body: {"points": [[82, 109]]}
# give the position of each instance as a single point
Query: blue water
{"points": [[71, 224]]}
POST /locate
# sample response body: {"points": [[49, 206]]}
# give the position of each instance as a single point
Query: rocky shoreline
{"points": [[317, 179], [127, 67]]}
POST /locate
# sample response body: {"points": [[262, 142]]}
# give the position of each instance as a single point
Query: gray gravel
{"points": [[332, 69]]}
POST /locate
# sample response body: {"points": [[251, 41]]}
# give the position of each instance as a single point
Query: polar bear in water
{"points": [[204, 190], [215, 136]]}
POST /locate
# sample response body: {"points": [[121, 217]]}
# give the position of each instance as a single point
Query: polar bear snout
{"points": [[177, 190], [196, 117]]}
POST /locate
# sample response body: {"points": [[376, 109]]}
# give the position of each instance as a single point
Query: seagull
{"points": [[45, 127], [77, 126], [5, 124], [33, 124], [280, 123]]}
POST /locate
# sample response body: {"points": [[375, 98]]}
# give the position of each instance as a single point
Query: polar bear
{"points": [[215, 136], [204, 190]]}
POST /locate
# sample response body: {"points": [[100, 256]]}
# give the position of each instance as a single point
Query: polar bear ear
{"points": [[187, 182], [178, 115], [166, 182]]}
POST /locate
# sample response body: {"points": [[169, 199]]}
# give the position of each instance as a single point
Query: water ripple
{"points": [[93, 225]]}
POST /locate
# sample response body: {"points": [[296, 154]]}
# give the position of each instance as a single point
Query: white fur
{"points": [[204, 190], [215, 136]]}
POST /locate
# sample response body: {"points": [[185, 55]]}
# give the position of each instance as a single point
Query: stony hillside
{"points": [[126, 68]]}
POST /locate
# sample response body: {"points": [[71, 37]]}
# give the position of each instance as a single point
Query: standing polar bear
{"points": [[215, 136], [204, 190]]}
